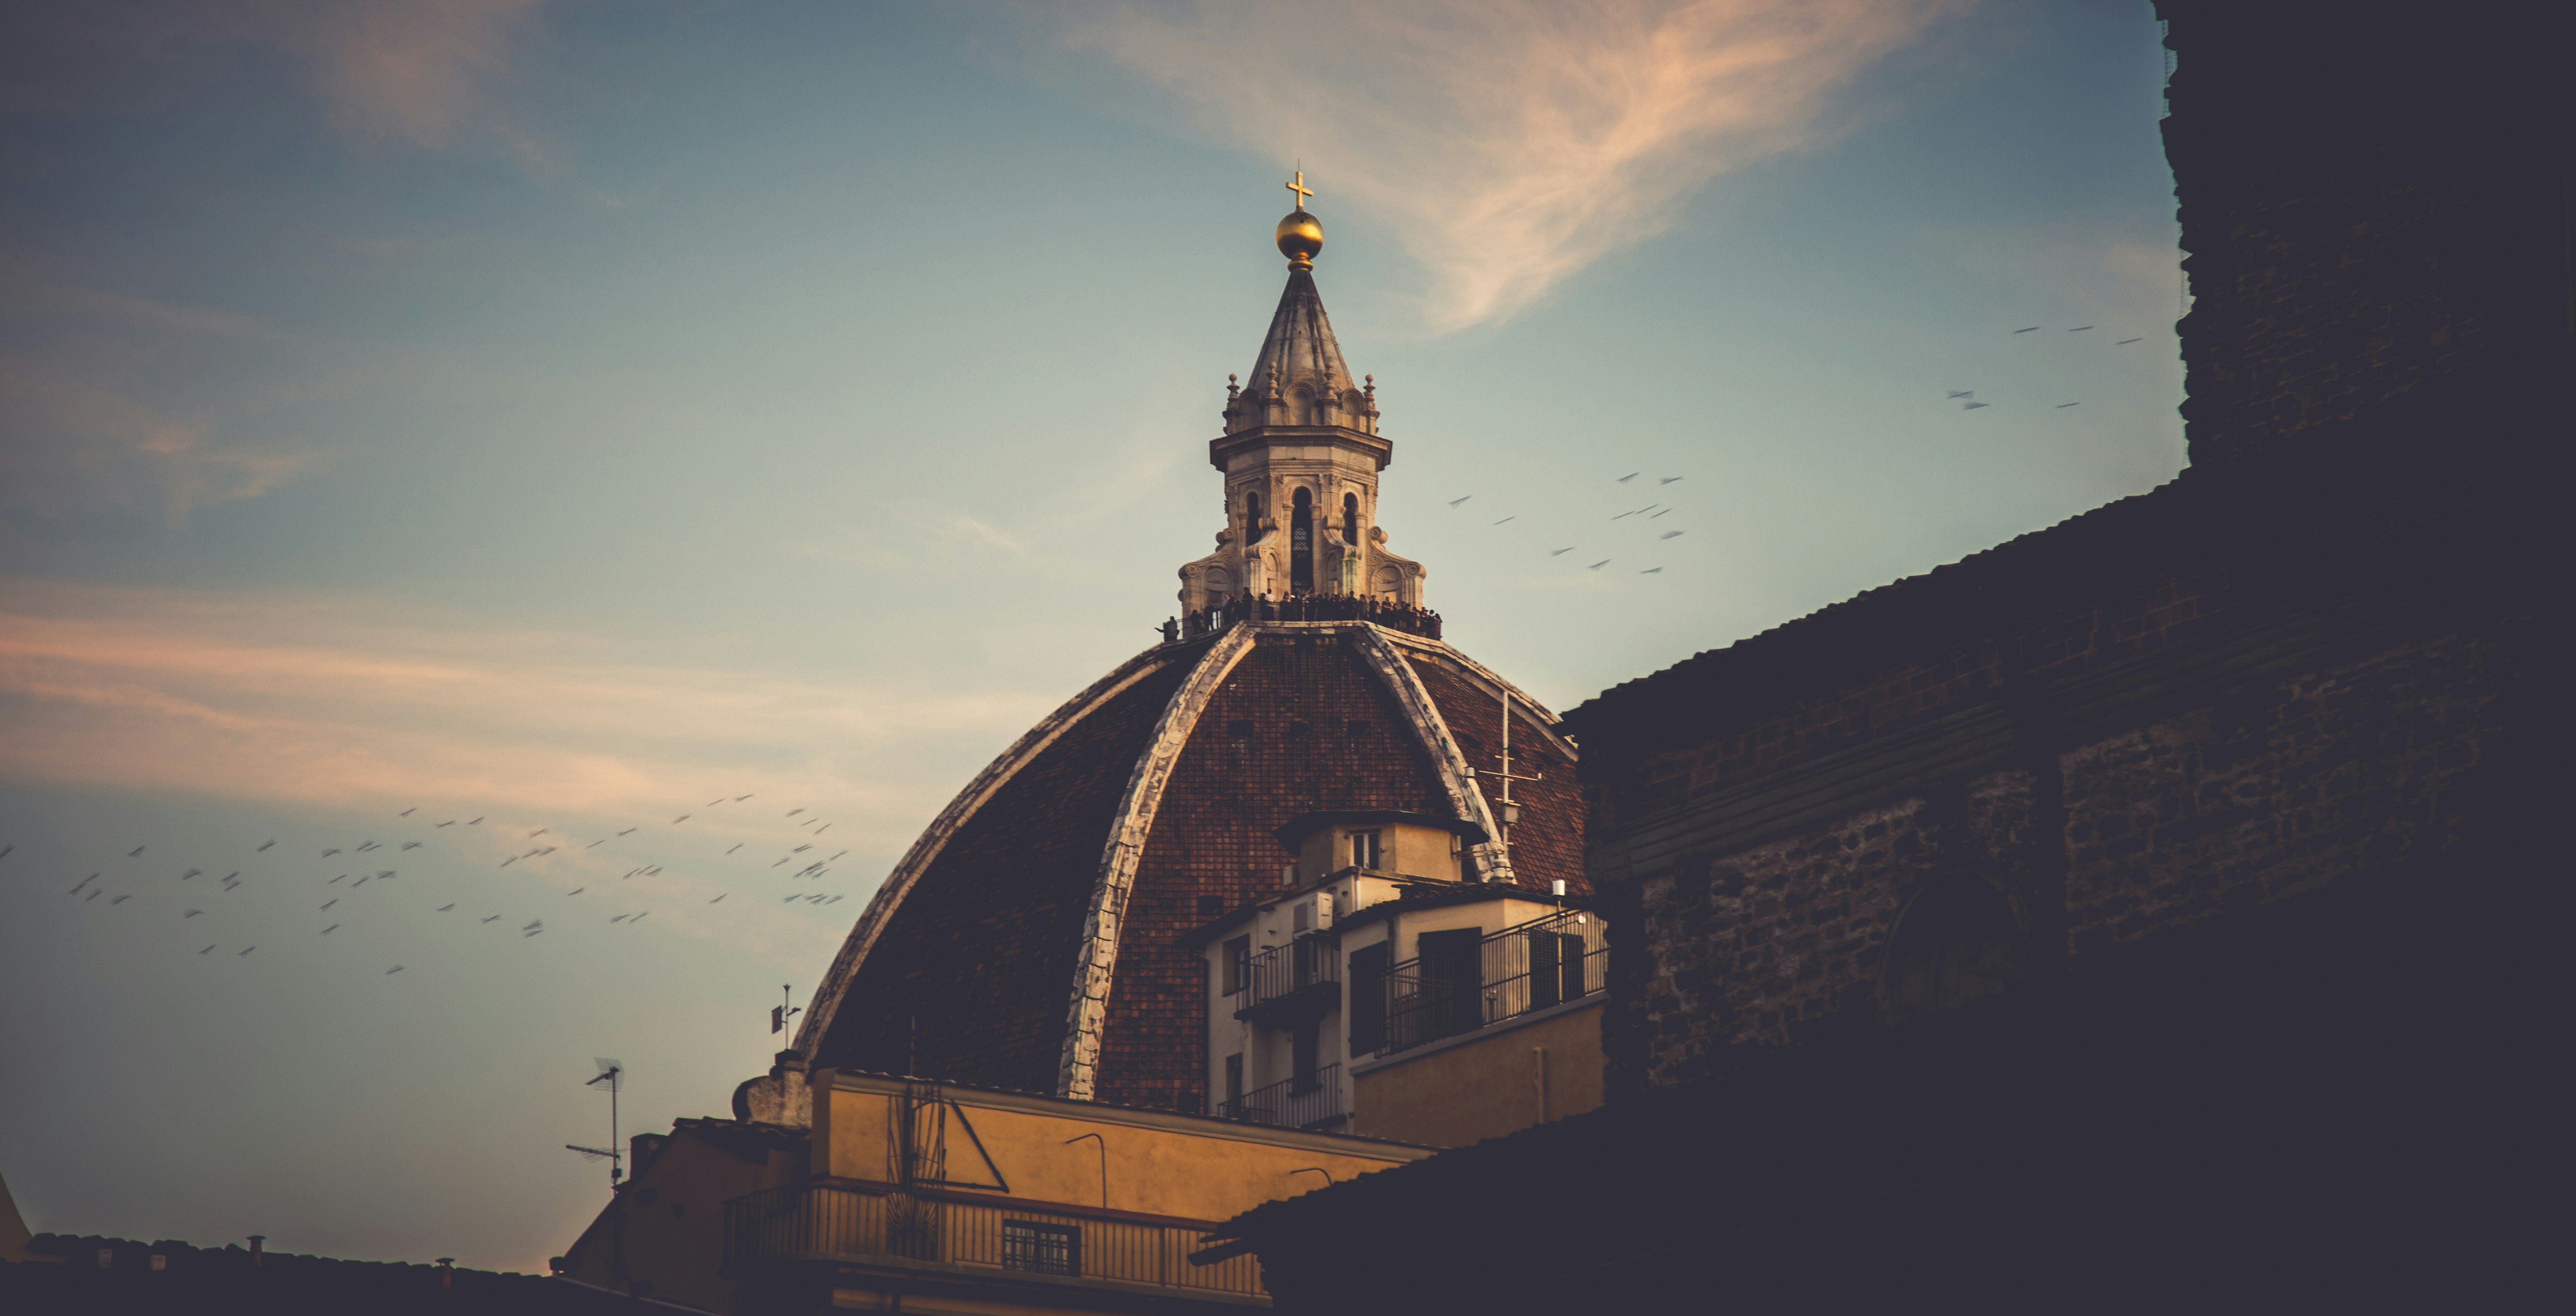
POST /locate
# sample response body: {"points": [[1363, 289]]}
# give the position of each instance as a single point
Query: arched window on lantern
{"points": [[1301, 542], [1351, 519], [1252, 517]]}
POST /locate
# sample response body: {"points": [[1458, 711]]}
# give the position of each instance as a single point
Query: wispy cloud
{"points": [[428, 73], [1510, 143], [306, 701]]}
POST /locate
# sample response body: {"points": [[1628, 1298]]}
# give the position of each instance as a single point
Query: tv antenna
{"points": [[612, 1073], [1507, 811], [785, 1010]]}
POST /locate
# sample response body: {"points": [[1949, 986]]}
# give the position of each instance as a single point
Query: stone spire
{"points": [[1301, 455]]}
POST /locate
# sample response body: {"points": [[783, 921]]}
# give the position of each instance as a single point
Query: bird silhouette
{"points": [[1672, 534], [712, 803], [539, 923], [2124, 342], [93, 895], [720, 897], [1630, 476], [329, 903], [781, 859], [1651, 571], [331, 929], [120, 900], [525, 935], [231, 875], [800, 849], [2064, 405], [836, 854], [407, 812], [411, 845], [795, 811], [494, 918], [627, 832], [444, 908], [1971, 406], [394, 970], [822, 829], [210, 946], [509, 861], [1671, 479], [1598, 565], [364, 846], [133, 852], [1562, 551], [337, 880], [360, 882], [640, 917], [191, 914], [1666, 512], [539, 832], [263, 846], [682, 818], [246, 950], [576, 891], [328, 853], [596, 844], [193, 872], [476, 823], [1958, 393], [1454, 502], [1513, 517], [449, 823], [619, 919], [5, 851], [2079, 328], [2024, 331], [740, 798], [736, 846], [789, 898]]}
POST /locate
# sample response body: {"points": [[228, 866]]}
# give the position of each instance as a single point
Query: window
{"points": [[1368, 999], [1045, 1249], [1238, 964], [1364, 850], [1555, 968], [1351, 518], [1453, 982], [1301, 542], [1302, 1045], [1234, 1085]]}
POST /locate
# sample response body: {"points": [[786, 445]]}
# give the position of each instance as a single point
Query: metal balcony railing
{"points": [[826, 1221], [1285, 971], [1289, 1104], [1530, 966]]}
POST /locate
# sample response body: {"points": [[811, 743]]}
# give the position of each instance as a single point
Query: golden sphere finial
{"points": [[1299, 235]]}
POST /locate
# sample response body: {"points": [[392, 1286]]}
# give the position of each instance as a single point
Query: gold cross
{"points": [[1299, 187]]}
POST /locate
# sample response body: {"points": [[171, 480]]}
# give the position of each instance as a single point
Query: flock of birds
{"points": [[1967, 397], [177, 894], [1650, 512]]}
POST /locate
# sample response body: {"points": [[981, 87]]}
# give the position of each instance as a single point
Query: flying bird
{"points": [[407, 812], [833, 901], [1629, 476], [576, 891], [1651, 571], [365, 846], [720, 897], [1971, 406], [328, 853], [800, 849], [1513, 517], [1598, 565], [790, 898], [133, 852], [444, 908], [2024, 331], [2079, 328], [712, 803], [449, 823], [2124, 342], [2064, 405], [836, 854], [539, 832], [331, 929], [619, 919], [640, 917], [191, 914], [193, 872], [736, 846], [494, 918], [596, 844], [1671, 479], [120, 900], [626, 832], [509, 861], [329, 903], [411, 845], [246, 950], [525, 935], [394, 970], [337, 880], [1958, 393], [822, 829], [1562, 551], [532, 926], [263, 846], [360, 882], [476, 823], [740, 798], [1666, 512], [231, 875], [1672, 534], [209, 948], [795, 811], [94, 895], [4, 851], [1455, 501], [683, 818], [781, 859]]}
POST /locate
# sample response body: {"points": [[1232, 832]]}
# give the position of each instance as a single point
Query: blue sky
{"points": [[569, 413]]}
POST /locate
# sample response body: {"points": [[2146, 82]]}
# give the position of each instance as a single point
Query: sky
{"points": [[674, 433]]}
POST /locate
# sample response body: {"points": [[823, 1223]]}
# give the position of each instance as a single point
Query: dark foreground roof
{"points": [[220, 1281]]}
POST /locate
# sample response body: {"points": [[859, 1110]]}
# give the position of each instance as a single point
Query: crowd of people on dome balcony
{"points": [[1233, 608]]}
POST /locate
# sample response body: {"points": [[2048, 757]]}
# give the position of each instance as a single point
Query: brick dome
{"points": [[1036, 936]]}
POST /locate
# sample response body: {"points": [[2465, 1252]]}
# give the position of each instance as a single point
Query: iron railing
{"points": [[1530, 966], [1287, 970], [1292, 1103], [839, 1220]]}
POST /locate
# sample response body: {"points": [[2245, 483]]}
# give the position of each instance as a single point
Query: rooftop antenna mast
{"points": [[1505, 810], [785, 1010], [612, 1073]]}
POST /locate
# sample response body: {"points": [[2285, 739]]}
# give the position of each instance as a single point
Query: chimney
{"points": [[257, 1248], [447, 1272]]}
